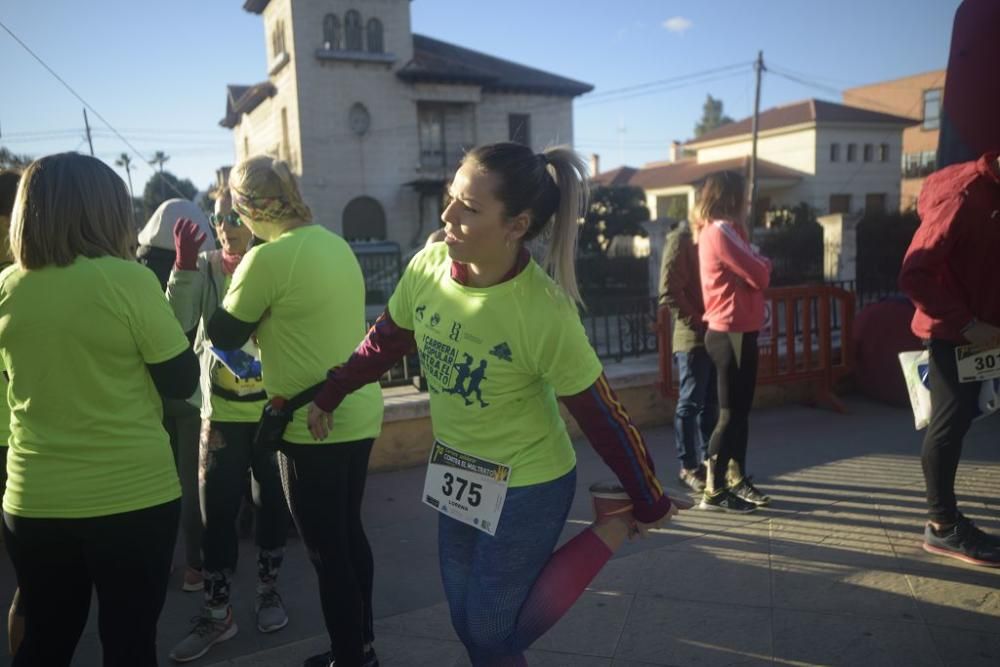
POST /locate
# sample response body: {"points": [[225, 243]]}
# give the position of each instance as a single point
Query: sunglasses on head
{"points": [[231, 217]]}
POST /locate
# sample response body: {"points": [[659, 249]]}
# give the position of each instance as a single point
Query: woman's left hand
{"points": [[320, 422], [642, 529]]}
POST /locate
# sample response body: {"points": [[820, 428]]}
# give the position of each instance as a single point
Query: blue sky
{"points": [[157, 71]]}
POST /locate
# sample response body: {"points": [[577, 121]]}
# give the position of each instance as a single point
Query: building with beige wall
{"points": [[374, 119], [835, 158], [919, 96]]}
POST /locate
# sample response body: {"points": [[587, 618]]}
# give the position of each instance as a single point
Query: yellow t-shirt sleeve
{"points": [[400, 304], [158, 334], [252, 289], [566, 360]]}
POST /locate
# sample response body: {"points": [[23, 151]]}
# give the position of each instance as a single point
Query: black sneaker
{"points": [[693, 479], [964, 542], [326, 660], [750, 493], [726, 501]]}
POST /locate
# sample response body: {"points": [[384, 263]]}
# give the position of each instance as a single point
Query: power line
{"points": [[85, 103], [673, 79]]}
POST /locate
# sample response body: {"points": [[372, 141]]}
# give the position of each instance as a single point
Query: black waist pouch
{"points": [[277, 415]]}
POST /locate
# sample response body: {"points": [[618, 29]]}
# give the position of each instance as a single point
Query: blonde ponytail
{"points": [[570, 173]]}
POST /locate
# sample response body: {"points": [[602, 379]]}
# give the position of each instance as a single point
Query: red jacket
{"points": [[951, 271]]}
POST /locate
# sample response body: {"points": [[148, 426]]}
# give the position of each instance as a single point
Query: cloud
{"points": [[678, 24]]}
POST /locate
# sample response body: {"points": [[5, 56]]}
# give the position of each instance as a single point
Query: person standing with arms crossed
{"points": [[698, 399], [949, 273], [499, 341], [733, 279]]}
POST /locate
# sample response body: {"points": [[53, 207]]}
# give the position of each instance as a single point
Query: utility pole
{"points": [[758, 68], [86, 124]]}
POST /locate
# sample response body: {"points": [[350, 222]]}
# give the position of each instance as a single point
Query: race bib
{"points": [[976, 364], [238, 371], [465, 487]]}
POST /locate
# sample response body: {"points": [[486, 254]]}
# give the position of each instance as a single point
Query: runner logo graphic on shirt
{"points": [[473, 376], [458, 374], [502, 352]]}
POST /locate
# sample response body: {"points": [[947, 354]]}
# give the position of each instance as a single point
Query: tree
{"points": [[613, 211], [126, 161], [158, 159], [794, 244], [163, 186], [711, 116], [10, 160]]}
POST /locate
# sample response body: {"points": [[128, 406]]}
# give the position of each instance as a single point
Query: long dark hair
{"points": [[723, 197], [552, 187]]}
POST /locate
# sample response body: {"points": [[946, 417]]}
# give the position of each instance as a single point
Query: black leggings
{"points": [[737, 384], [227, 453], [125, 557], [953, 406], [324, 485]]}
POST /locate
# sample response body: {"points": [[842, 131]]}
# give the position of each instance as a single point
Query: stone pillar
{"points": [[840, 246]]}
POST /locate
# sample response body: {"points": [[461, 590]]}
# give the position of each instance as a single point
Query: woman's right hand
{"points": [[188, 238], [320, 422]]}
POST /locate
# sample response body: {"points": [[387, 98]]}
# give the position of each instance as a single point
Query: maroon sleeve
{"points": [[385, 344], [611, 433]]}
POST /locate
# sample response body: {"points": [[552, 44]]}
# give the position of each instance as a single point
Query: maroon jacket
{"points": [[952, 269]]}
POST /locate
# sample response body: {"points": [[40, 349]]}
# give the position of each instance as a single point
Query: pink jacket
{"points": [[733, 278]]}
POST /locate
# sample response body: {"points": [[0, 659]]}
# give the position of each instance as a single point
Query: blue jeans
{"points": [[487, 579], [697, 406]]}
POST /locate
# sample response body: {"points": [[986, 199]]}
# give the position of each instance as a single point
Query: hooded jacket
{"points": [[950, 270]]}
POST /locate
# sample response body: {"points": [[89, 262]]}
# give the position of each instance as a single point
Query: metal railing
{"points": [[622, 327]]}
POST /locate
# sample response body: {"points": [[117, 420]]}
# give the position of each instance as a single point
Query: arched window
{"points": [[364, 220], [278, 38], [352, 31], [332, 40], [375, 36]]}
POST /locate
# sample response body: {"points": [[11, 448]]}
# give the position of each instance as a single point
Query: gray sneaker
{"points": [[270, 610], [206, 633]]}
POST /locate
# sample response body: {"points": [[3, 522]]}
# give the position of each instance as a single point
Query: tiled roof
{"points": [[437, 61], [615, 177], [691, 172], [806, 111], [244, 99]]}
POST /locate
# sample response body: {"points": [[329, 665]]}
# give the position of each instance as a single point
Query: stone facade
{"points": [[312, 118]]}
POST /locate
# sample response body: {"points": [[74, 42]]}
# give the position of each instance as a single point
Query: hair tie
{"points": [[543, 157]]}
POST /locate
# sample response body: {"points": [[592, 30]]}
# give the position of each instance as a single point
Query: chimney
{"points": [[595, 164], [675, 150]]}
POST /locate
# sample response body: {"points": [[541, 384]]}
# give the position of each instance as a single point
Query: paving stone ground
{"points": [[833, 574]]}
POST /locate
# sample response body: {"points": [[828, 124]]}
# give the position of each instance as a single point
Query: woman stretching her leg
{"points": [[499, 340]]}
